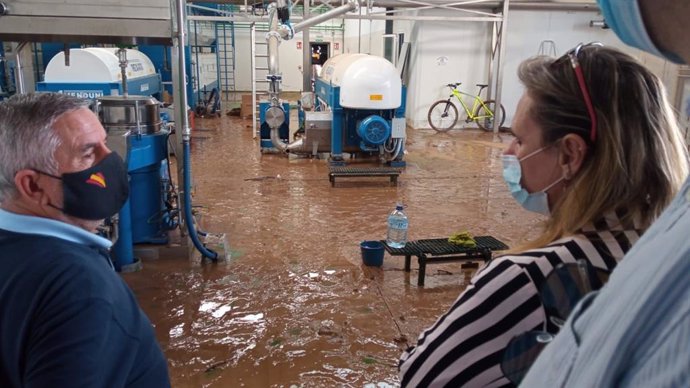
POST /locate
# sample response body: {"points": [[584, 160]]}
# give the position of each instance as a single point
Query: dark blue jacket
{"points": [[68, 320]]}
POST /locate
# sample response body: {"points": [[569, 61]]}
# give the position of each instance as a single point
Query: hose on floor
{"points": [[205, 252]]}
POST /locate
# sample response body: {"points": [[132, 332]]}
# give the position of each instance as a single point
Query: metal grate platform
{"points": [[441, 246], [439, 250], [340, 171]]}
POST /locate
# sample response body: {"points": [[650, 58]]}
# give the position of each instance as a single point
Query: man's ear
{"points": [[26, 183], [573, 151]]}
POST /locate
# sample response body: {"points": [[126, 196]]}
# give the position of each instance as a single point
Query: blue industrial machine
{"points": [[359, 110], [136, 132], [95, 71]]}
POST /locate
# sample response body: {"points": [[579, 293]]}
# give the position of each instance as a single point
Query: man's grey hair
{"points": [[27, 137]]}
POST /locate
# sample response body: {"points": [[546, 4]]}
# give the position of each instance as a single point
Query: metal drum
{"points": [[129, 115]]}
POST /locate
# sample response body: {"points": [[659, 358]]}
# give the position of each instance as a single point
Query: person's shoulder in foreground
{"points": [[66, 316], [635, 331]]}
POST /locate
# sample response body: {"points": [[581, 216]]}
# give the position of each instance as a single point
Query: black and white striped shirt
{"points": [[465, 346]]}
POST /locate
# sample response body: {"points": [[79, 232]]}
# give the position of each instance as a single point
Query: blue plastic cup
{"points": [[372, 253]]}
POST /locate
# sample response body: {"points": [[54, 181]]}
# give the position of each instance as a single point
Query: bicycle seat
{"points": [[482, 85]]}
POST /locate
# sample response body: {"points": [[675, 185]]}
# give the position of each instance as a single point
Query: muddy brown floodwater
{"points": [[294, 306]]}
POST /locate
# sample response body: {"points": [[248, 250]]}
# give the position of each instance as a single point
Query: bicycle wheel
{"points": [[485, 118], [442, 115]]}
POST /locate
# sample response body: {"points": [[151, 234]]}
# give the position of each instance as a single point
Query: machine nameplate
{"points": [[91, 94]]}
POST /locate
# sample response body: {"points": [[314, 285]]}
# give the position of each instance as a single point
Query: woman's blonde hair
{"points": [[638, 160]]}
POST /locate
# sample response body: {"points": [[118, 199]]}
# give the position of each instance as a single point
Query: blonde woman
{"points": [[596, 148]]}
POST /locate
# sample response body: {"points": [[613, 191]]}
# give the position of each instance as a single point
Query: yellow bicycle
{"points": [[443, 114]]}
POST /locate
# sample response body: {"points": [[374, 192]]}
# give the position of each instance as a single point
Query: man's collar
{"points": [[20, 223]]}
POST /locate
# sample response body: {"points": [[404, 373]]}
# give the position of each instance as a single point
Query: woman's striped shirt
{"points": [[465, 346]]}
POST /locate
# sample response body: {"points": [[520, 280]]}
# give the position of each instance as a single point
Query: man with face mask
{"points": [[66, 318], [635, 331]]}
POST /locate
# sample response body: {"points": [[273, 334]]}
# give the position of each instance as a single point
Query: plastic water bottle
{"points": [[397, 228]]}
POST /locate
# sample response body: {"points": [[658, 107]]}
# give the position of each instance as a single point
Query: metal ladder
{"points": [[260, 55], [225, 39]]}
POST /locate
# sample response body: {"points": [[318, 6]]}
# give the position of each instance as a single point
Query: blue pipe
{"points": [[188, 204]]}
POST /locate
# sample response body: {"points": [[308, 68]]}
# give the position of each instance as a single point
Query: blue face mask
{"points": [[512, 173], [624, 17]]}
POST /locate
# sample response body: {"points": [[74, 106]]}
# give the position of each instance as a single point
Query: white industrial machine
{"points": [[359, 109], [95, 72]]}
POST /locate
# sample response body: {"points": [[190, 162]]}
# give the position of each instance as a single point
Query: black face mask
{"points": [[97, 192]]}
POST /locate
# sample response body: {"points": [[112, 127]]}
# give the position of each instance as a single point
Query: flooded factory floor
{"points": [[294, 306]]}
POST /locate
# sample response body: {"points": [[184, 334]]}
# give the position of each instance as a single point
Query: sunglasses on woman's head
{"points": [[571, 56]]}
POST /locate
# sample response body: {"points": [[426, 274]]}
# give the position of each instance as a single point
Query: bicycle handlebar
{"points": [[455, 85]]}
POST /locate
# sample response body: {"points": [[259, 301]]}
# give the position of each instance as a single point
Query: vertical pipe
{"points": [[492, 57], [252, 42], [306, 52], [178, 77], [199, 93], [18, 70], [499, 68], [181, 98], [122, 57], [273, 40], [186, 136]]}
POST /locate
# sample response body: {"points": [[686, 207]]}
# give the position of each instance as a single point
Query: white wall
{"points": [[528, 28], [445, 52], [364, 36], [441, 53], [466, 46]]}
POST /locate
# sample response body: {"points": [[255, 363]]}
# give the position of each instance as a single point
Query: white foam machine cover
{"points": [[96, 64], [366, 81]]}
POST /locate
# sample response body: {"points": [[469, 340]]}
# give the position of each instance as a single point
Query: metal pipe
{"points": [[122, 57], [521, 5], [66, 49], [18, 70], [335, 12], [181, 98], [273, 40], [306, 53], [277, 142], [181, 101], [499, 67], [514, 5]]}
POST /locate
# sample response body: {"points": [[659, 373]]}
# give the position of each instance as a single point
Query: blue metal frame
{"points": [[331, 94]]}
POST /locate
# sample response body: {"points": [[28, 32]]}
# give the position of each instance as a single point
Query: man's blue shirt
{"points": [[66, 318]]}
